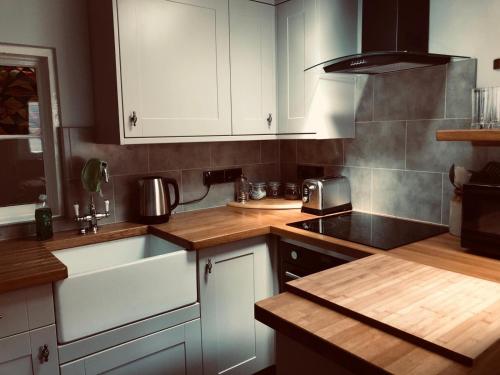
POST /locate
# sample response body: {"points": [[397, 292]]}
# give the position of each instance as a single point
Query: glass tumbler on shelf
{"points": [[494, 112], [480, 108]]}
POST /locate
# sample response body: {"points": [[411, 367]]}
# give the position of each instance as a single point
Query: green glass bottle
{"points": [[43, 220]]}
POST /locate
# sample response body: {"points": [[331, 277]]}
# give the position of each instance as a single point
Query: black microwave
{"points": [[481, 218]]}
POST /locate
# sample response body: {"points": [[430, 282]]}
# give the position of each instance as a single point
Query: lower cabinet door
{"points": [[173, 351], [232, 278], [30, 353]]}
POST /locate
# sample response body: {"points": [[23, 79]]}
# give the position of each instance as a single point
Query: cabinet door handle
{"points": [[208, 267], [43, 354], [269, 119], [292, 275], [133, 118]]}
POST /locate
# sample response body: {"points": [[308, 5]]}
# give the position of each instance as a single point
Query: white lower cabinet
{"points": [[28, 343], [30, 353], [173, 351], [232, 278]]}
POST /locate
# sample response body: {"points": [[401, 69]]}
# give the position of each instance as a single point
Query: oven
{"points": [[296, 260]]}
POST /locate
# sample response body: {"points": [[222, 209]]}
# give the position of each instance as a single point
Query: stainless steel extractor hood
{"points": [[395, 36]]}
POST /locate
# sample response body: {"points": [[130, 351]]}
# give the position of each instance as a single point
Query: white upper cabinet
{"points": [[161, 69], [253, 67], [310, 32], [174, 67], [291, 65]]}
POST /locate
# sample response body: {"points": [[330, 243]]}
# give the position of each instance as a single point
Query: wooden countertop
{"points": [[355, 345], [27, 262]]}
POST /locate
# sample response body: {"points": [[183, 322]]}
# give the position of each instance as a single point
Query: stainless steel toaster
{"points": [[323, 196]]}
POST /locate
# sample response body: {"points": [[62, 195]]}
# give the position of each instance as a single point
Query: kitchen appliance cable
{"points": [[198, 199]]}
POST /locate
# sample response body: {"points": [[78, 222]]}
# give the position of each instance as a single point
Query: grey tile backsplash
{"points": [[183, 161], [395, 165]]}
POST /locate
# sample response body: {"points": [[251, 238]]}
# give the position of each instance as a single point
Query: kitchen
{"points": [[135, 280]]}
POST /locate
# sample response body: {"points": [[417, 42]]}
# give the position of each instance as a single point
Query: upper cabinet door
{"points": [[292, 83], [174, 61], [253, 67]]}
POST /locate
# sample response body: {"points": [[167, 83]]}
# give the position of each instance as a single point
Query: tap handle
{"points": [[105, 172], [106, 205], [76, 207]]}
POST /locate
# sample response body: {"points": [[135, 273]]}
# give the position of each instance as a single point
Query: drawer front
{"points": [[26, 309]]}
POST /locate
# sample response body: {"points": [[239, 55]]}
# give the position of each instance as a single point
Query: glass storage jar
{"points": [[258, 190], [292, 191], [241, 189], [274, 189]]}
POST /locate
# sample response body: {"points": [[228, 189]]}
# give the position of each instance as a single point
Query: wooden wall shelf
{"points": [[469, 135]]}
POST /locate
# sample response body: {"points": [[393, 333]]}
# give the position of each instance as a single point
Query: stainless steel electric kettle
{"points": [[154, 202]]}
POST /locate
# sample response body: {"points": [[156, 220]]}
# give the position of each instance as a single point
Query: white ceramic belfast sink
{"points": [[114, 283]]}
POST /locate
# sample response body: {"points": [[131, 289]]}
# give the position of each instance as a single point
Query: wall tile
{"points": [[167, 157], [360, 180], [414, 195], [262, 172], [378, 145], [410, 94], [121, 159], [288, 172], [226, 154], [193, 188], [288, 151], [364, 98], [460, 80], [269, 151], [424, 153], [324, 151]]}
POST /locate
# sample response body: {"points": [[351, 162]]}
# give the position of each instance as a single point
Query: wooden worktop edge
{"points": [[350, 361]]}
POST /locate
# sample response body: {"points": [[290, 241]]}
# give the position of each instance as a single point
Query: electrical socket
{"points": [[221, 176], [232, 174], [213, 177]]}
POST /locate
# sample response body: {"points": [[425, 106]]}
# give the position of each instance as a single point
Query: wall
{"points": [[468, 28], [183, 161], [395, 165], [62, 25]]}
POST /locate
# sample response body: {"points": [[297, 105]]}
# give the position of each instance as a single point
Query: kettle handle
{"points": [[171, 181]]}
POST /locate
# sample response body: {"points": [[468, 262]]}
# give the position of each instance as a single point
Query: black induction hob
{"points": [[377, 231]]}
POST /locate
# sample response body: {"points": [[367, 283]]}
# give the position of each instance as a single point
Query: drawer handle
{"points": [[133, 118], [208, 267], [43, 354], [292, 276]]}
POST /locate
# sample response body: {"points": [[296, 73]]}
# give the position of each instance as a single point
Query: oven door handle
{"points": [[292, 275]]}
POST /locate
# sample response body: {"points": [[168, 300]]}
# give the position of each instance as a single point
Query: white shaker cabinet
{"points": [[312, 102], [161, 69], [27, 332], [232, 278], [253, 67], [292, 108], [173, 351]]}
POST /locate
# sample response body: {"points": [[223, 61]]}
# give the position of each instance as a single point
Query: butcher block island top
{"points": [[452, 314]]}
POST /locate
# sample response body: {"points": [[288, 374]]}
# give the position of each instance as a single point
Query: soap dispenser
{"points": [[43, 219]]}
